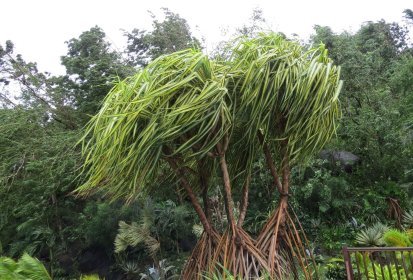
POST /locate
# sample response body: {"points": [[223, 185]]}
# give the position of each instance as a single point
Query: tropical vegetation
{"points": [[160, 161]]}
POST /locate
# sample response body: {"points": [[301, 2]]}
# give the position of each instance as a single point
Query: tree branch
{"points": [[270, 164], [285, 167], [203, 181], [192, 197], [229, 202], [244, 202]]}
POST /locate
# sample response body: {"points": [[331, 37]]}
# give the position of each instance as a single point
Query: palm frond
{"points": [[130, 235], [26, 267], [33, 268]]}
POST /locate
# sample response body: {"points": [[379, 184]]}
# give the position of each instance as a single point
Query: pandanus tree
{"points": [[176, 112], [197, 118], [287, 107]]}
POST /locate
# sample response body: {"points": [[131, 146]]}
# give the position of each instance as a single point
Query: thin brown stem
{"points": [[203, 181], [244, 201], [195, 203], [229, 202], [270, 164], [285, 166]]}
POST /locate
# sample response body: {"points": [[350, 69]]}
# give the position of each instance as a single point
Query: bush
{"points": [[395, 238]]}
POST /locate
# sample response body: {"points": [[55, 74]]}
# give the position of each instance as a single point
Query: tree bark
{"points": [[229, 202], [270, 163], [285, 168], [203, 181], [244, 201]]}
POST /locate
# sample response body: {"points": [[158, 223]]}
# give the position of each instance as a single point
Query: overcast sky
{"points": [[39, 28]]}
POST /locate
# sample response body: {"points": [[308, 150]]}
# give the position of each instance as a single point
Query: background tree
{"points": [[374, 127], [22, 84], [91, 67], [167, 36]]}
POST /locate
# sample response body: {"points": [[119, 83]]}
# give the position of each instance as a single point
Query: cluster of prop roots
{"points": [[279, 252]]}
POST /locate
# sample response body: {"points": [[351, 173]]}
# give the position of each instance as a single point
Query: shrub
{"points": [[395, 238], [372, 236]]}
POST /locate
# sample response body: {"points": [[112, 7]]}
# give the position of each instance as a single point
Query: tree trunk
{"points": [[203, 181], [270, 163], [244, 202], [229, 202]]}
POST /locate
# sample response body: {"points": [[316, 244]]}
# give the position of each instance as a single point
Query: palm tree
{"points": [[197, 117]]}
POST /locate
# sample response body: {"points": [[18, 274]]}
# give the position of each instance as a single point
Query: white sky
{"points": [[39, 28]]}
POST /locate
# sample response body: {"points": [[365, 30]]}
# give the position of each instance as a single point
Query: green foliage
{"points": [[168, 36], [143, 114], [165, 103], [90, 277], [372, 236], [92, 67], [35, 177], [285, 93], [39, 166], [388, 272], [25, 268], [321, 194], [409, 234], [408, 219], [132, 235], [331, 238], [376, 66], [373, 123], [158, 223], [395, 238], [38, 161], [184, 106], [335, 269], [377, 271], [99, 220]]}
